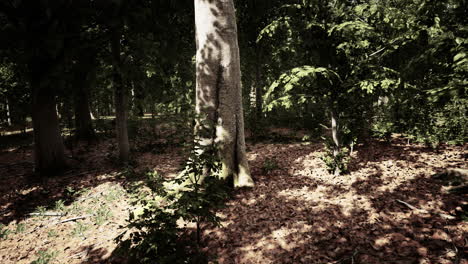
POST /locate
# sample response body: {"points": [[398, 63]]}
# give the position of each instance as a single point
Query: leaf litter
{"points": [[388, 208]]}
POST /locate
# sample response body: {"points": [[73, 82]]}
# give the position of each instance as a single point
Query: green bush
{"points": [[336, 164], [45, 257], [192, 197], [4, 232]]}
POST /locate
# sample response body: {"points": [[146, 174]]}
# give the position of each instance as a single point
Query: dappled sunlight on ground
{"points": [[94, 188], [298, 213]]}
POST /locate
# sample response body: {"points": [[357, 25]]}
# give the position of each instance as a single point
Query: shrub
{"points": [[192, 197]]}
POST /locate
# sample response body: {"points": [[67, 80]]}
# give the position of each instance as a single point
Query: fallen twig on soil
{"points": [[412, 207], [445, 216], [46, 214], [75, 218]]}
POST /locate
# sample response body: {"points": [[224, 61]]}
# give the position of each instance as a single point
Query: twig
{"points": [[445, 216], [46, 214], [75, 218], [412, 207]]}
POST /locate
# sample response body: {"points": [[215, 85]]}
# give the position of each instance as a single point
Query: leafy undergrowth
{"points": [[389, 208]]}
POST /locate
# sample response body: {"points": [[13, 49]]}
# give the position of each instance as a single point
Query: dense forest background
{"points": [[143, 91]]}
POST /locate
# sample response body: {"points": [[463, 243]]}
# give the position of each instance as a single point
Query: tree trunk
{"points": [[336, 141], [8, 112], [258, 89], [218, 88], [48, 145], [84, 78], [120, 96]]}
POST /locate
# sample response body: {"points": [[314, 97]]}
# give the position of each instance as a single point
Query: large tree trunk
{"points": [[48, 145], [218, 87], [84, 78], [120, 97]]}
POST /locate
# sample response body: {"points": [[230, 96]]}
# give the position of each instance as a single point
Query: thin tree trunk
{"points": [[120, 96], [218, 88], [8, 112], [336, 141], [48, 145], [258, 89]]}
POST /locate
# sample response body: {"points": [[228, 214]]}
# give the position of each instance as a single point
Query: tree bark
{"points": [[48, 145], [258, 89], [335, 137], [84, 77], [218, 88], [8, 112], [120, 96]]}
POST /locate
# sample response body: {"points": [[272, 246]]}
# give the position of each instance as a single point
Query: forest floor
{"points": [[388, 209]]}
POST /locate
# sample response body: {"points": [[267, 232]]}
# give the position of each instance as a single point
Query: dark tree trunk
{"points": [[84, 77], [120, 97], [48, 145]]}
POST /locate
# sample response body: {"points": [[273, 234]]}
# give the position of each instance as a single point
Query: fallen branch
{"points": [[75, 218], [445, 216], [412, 207], [46, 214]]}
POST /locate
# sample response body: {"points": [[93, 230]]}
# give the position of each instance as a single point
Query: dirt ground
{"points": [[388, 209]]}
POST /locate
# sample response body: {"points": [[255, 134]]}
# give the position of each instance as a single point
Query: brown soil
{"points": [[297, 213]]}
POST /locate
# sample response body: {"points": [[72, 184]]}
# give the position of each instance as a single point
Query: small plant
{"points": [[59, 206], [113, 194], [45, 257], [75, 208], [103, 213], [41, 210], [20, 228], [80, 229], [190, 198], [382, 130], [335, 160], [52, 233], [4, 231], [270, 164]]}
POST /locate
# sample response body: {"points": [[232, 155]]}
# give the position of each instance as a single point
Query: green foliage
{"points": [[4, 231], [382, 130], [171, 206], [52, 233], [59, 206], [270, 164], [102, 214], [79, 229], [451, 122], [45, 257], [41, 210], [335, 160], [305, 80], [20, 228]]}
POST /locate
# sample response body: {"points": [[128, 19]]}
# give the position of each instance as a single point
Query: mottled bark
{"points": [[218, 87], [120, 96]]}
